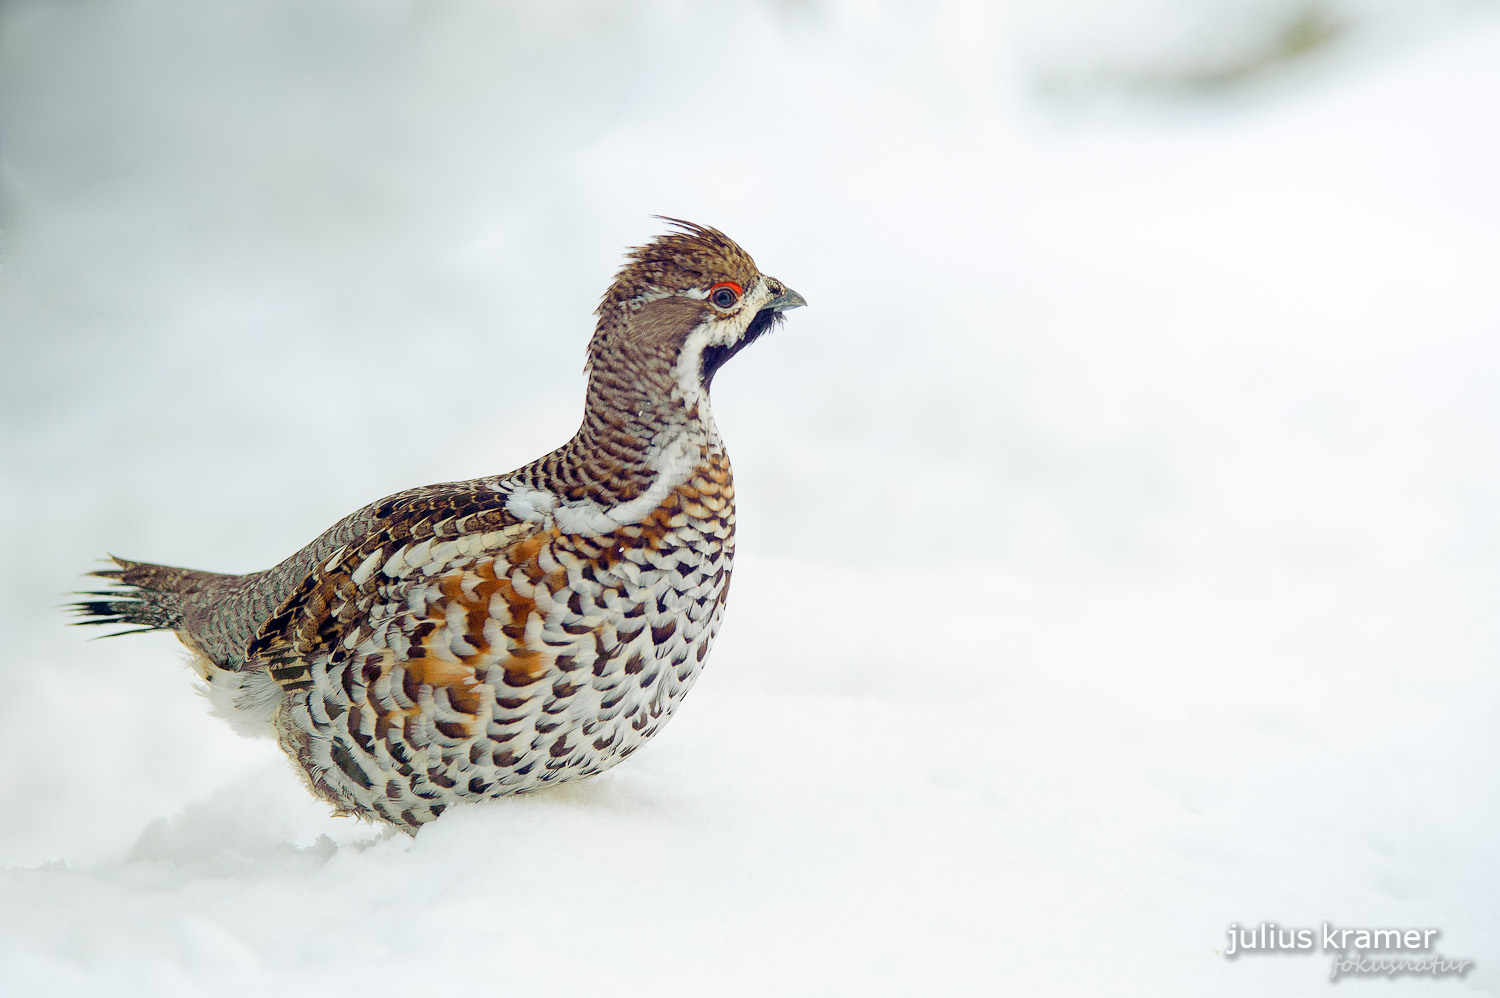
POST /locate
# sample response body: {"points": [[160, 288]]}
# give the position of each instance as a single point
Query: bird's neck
{"points": [[637, 429]]}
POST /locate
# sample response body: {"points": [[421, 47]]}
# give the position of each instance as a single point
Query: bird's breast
{"points": [[552, 657]]}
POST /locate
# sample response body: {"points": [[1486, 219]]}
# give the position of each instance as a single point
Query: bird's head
{"points": [[682, 305]]}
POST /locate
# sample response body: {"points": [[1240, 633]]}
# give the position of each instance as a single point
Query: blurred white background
{"points": [[1119, 527]]}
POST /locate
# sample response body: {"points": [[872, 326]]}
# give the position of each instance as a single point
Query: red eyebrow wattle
{"points": [[727, 284]]}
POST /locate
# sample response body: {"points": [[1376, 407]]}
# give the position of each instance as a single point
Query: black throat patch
{"points": [[715, 357]]}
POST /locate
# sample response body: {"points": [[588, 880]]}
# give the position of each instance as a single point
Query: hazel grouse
{"points": [[477, 639]]}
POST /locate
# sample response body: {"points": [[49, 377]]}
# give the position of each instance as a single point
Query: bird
{"points": [[478, 639]]}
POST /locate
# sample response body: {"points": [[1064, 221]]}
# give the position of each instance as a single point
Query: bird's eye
{"points": [[725, 294]]}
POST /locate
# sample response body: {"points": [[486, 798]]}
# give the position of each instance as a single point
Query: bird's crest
{"points": [[692, 256]]}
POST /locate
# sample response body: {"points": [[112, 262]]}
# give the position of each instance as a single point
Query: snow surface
{"points": [[1119, 527]]}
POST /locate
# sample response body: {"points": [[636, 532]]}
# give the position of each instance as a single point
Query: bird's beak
{"points": [[785, 299]]}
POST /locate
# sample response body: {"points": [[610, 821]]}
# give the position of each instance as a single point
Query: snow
{"points": [[1118, 535]]}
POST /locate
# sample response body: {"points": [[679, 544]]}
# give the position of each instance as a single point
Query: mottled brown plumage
{"points": [[475, 639]]}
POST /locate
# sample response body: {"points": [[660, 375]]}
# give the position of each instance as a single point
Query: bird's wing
{"points": [[416, 537]]}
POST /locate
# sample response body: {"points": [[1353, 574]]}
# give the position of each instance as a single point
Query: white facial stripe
{"points": [[690, 365]]}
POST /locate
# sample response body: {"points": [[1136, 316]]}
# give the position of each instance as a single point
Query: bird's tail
{"points": [[147, 597]]}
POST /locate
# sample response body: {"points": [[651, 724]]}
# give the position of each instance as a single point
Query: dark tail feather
{"points": [[147, 598]]}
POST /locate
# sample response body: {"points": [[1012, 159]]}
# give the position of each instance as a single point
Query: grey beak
{"points": [[787, 299]]}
